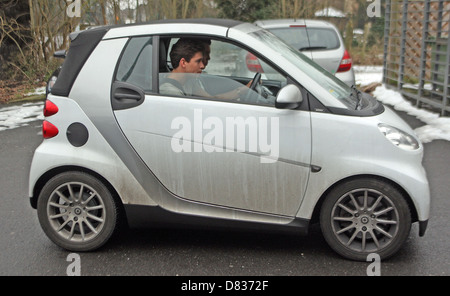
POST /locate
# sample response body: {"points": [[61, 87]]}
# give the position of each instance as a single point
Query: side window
{"points": [[233, 62], [135, 66], [227, 76]]}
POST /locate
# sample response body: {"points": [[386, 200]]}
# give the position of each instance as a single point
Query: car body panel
{"points": [[376, 157], [156, 127], [96, 155]]}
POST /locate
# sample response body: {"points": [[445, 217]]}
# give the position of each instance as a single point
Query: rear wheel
{"points": [[77, 211], [365, 216]]}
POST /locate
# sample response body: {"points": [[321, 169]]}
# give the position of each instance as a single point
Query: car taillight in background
{"points": [[253, 63], [48, 129], [346, 62]]}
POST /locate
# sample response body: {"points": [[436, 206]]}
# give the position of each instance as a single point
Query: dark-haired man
{"points": [[187, 58]]}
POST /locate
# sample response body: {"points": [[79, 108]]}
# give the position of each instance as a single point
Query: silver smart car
{"points": [[274, 152]]}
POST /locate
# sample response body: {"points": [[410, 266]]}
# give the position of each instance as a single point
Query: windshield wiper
{"points": [[312, 48], [358, 97]]}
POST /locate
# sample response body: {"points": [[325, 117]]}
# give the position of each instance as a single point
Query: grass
{"points": [[16, 91], [32, 98]]}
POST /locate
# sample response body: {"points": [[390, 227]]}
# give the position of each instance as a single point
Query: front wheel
{"points": [[77, 211], [365, 216]]}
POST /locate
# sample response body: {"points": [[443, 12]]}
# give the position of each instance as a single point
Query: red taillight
{"points": [[253, 63], [50, 108], [346, 62], [49, 130]]}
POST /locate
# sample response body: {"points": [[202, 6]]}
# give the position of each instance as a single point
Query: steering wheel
{"points": [[255, 81], [253, 86]]}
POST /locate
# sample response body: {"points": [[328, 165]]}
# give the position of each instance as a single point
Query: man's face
{"points": [[195, 65]]}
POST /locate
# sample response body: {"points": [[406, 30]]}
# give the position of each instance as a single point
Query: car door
{"points": [[238, 154]]}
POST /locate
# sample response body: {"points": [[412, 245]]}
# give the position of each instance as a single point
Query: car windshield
{"points": [[333, 85]]}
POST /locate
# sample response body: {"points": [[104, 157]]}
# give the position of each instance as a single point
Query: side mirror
{"points": [[60, 54], [289, 97]]}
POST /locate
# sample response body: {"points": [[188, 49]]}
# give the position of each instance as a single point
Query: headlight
{"points": [[398, 137]]}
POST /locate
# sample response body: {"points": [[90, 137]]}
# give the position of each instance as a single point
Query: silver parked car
{"points": [[319, 40], [274, 153]]}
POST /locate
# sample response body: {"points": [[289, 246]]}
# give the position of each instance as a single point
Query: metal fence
{"points": [[417, 51]]}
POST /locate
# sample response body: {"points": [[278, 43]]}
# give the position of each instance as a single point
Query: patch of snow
{"points": [[436, 127], [358, 31], [426, 86], [20, 115], [37, 91], [330, 12], [365, 75]]}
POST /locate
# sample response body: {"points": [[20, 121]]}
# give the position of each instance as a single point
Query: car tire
{"points": [[365, 216], [77, 211]]}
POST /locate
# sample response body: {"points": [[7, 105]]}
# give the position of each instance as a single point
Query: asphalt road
{"points": [[25, 250]]}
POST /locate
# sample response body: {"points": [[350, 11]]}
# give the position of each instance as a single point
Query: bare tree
{"points": [[49, 25]]}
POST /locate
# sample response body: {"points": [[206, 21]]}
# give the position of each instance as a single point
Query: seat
{"points": [[163, 68]]}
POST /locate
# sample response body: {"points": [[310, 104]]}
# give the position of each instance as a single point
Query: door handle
{"points": [[126, 95]]}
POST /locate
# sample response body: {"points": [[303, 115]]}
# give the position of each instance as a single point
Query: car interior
{"points": [[221, 80]]}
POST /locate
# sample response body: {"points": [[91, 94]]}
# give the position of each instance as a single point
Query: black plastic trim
{"points": [[140, 216], [315, 105], [362, 113], [374, 110], [315, 168], [422, 227], [125, 95], [155, 63], [77, 134]]}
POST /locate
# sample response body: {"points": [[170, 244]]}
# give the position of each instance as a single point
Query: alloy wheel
{"points": [[76, 212], [365, 220]]}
